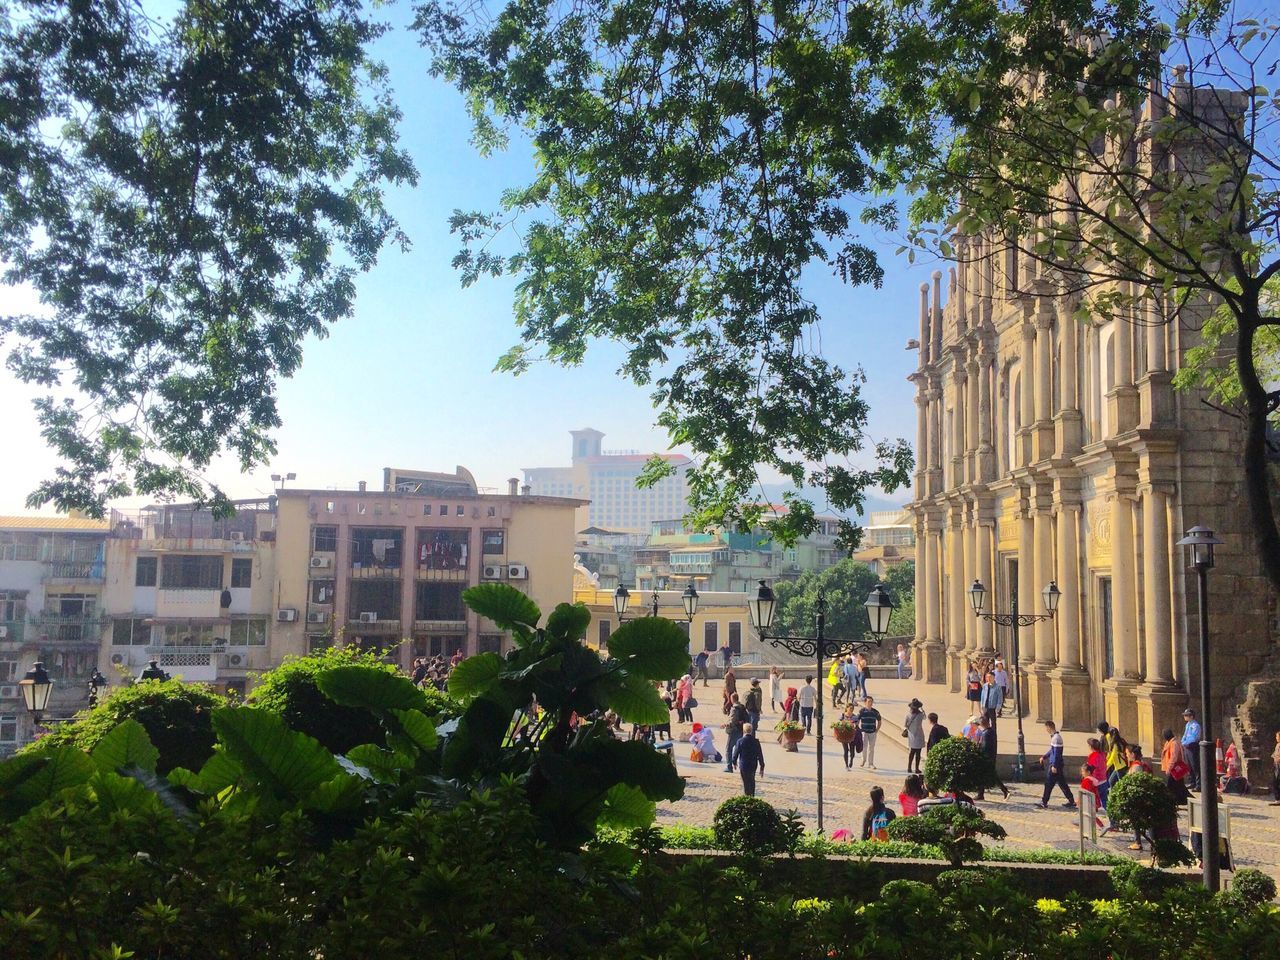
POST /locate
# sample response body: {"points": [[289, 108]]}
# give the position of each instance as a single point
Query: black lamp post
{"points": [[152, 671], [764, 605], [36, 686], [1014, 620], [622, 599], [1201, 541], [96, 682]]}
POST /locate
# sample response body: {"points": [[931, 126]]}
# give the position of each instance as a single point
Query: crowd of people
{"points": [[434, 671]]}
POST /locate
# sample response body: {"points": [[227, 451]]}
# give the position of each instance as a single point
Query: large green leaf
{"points": [[569, 620], [626, 808], [478, 738], [472, 676], [343, 794], [359, 685], [127, 744], [280, 761], [419, 728], [115, 793], [634, 699], [653, 647], [218, 773], [162, 789], [502, 603], [29, 780], [384, 766]]}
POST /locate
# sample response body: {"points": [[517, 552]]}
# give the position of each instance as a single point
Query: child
{"points": [[912, 793], [1089, 783]]}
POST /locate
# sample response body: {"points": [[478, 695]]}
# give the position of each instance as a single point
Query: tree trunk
{"points": [[1257, 480]]}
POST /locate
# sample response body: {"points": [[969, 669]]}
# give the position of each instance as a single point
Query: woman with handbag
{"points": [[1174, 766], [684, 700]]}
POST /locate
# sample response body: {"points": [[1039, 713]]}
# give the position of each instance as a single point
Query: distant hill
{"points": [[774, 492]]}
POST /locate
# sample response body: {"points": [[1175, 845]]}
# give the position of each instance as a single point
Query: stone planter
{"points": [[843, 736], [793, 736]]}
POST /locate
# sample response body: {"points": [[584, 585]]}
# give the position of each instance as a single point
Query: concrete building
{"points": [[1054, 450], [608, 480], [194, 592], [374, 567], [52, 573]]}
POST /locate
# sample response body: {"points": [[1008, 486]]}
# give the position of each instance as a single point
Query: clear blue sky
{"points": [[408, 381]]}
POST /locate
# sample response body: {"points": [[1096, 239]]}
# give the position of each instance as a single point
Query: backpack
{"points": [[880, 826]]}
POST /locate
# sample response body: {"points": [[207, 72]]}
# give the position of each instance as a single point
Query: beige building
{"points": [[1054, 450], [378, 567]]}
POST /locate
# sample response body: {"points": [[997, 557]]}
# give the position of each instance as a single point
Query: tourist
{"points": [[1137, 764], [1191, 747], [726, 656], [864, 671], [1174, 768], [1090, 784], [912, 793], [869, 723], [700, 667], [730, 688], [684, 700], [852, 679], [991, 702], [737, 722], [775, 688], [835, 680], [704, 745], [754, 703], [970, 729], [986, 741], [851, 748], [972, 685], [903, 667], [1116, 749], [1275, 773], [876, 820], [1097, 764], [913, 730], [1002, 680], [808, 699], [663, 730], [937, 732], [1054, 772], [748, 757]]}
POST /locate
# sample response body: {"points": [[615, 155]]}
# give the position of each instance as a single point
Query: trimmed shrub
{"points": [[176, 715], [958, 764], [954, 830], [751, 825], [1253, 886], [1141, 801], [1137, 881]]}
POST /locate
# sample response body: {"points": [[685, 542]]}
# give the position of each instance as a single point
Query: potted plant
{"points": [[790, 731], [844, 730]]}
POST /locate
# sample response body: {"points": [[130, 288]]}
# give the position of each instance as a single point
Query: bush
{"points": [[1141, 801], [751, 825], [953, 829], [1167, 852], [958, 764], [290, 690], [1253, 886], [176, 715], [1136, 881]]}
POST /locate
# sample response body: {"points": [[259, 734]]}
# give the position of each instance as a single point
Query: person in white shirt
{"points": [[808, 696], [902, 662]]}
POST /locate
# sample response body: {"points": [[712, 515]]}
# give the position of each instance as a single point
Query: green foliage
{"points": [[213, 188], [952, 829], [1167, 852], [1253, 886], [126, 746], [1135, 880], [751, 825], [292, 690], [1141, 801], [176, 716], [845, 586], [957, 763]]}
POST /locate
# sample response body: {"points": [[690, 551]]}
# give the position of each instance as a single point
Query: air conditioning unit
{"points": [[321, 563], [9, 691], [236, 659], [117, 658], [317, 618], [4, 632], [237, 536], [517, 571], [491, 571], [369, 616], [287, 615]]}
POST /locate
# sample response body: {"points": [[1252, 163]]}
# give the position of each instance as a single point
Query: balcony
{"points": [[374, 571], [189, 604], [445, 626], [76, 571], [12, 630], [453, 575], [378, 628], [65, 630]]}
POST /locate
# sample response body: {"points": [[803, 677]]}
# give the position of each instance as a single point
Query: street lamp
{"points": [[977, 599], [281, 478], [96, 682], [36, 689], [690, 598], [622, 599], [152, 671], [762, 607], [1201, 541]]}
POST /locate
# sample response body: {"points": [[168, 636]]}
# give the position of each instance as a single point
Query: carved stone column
{"points": [[1043, 442], [1071, 701], [1118, 690], [1027, 410], [1159, 700], [1068, 421], [934, 660], [1123, 399], [1155, 390], [986, 447], [986, 552]]}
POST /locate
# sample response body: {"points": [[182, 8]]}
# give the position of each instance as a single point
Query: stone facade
{"points": [[1054, 449]]}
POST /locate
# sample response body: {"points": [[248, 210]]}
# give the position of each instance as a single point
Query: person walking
{"points": [[913, 730], [754, 703], [733, 728], [808, 697], [684, 700], [730, 688], [902, 656], [991, 702], [876, 819], [748, 757], [850, 715], [852, 679], [726, 655], [1054, 772], [835, 680], [1191, 747], [864, 671], [1174, 767], [700, 667], [775, 688], [937, 732], [869, 721], [986, 742], [972, 684], [1002, 680]]}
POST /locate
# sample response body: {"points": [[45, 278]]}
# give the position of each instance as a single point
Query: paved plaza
{"points": [[789, 779]]}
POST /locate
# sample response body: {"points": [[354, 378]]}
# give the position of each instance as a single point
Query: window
{"points": [[8, 671], [711, 635], [324, 539], [190, 572], [378, 547], [13, 606], [495, 543], [444, 509], [241, 572], [604, 634], [321, 591], [492, 512], [130, 633], [460, 511], [735, 637], [8, 728], [375, 596], [144, 574], [490, 643], [316, 643], [252, 633], [447, 646], [196, 635], [1108, 639], [440, 601], [443, 549]]}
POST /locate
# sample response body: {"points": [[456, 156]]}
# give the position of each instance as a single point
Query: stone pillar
{"points": [[954, 600], [958, 442], [1071, 701], [1042, 444], [921, 564], [1068, 421], [1155, 390], [962, 279], [934, 661], [1159, 701], [1027, 410], [922, 439], [1123, 398], [1027, 599], [1041, 688], [1118, 690], [935, 316], [962, 321], [986, 573], [935, 438], [926, 341], [986, 470], [970, 574]]}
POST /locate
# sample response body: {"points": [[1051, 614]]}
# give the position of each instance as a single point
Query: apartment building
{"points": [[377, 567], [51, 583]]}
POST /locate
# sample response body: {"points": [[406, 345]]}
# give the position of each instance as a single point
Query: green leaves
{"points": [[506, 606], [126, 746], [31, 779], [474, 675], [372, 688], [635, 700], [651, 647], [279, 761]]}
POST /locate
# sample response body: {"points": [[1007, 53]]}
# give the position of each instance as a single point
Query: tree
{"points": [[693, 161], [845, 586], [190, 197]]}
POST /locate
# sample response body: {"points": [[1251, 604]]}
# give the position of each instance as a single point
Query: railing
{"points": [[356, 625], [75, 570], [370, 571]]}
